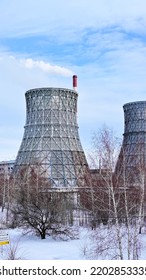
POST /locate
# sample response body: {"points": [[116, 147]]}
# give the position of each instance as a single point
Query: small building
{"points": [[6, 167]]}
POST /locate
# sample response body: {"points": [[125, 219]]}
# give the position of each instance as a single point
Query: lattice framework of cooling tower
{"points": [[132, 159], [51, 137]]}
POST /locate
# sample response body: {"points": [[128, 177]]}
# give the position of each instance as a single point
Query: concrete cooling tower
{"points": [[51, 136], [131, 163]]}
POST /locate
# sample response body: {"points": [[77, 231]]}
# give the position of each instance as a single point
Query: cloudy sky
{"points": [[45, 42]]}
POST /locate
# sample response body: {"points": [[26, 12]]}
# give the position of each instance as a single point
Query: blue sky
{"points": [[44, 42]]}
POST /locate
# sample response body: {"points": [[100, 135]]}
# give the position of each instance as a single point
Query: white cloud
{"points": [[47, 67]]}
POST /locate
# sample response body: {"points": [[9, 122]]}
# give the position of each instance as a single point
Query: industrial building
{"points": [[51, 139], [131, 163], [6, 167], [51, 146]]}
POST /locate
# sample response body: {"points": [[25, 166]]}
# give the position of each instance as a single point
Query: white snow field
{"points": [[31, 247]]}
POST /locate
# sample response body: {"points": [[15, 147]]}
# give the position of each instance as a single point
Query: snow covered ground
{"points": [[30, 247]]}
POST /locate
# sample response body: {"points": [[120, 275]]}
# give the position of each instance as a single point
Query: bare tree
{"points": [[4, 188], [110, 196], [37, 206]]}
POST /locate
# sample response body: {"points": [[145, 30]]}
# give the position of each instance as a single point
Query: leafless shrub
{"points": [[102, 244], [12, 251]]}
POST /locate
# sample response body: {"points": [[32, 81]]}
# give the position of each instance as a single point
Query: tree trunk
{"points": [[43, 234]]}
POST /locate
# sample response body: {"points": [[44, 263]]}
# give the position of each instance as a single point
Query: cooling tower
{"points": [[131, 164], [51, 136]]}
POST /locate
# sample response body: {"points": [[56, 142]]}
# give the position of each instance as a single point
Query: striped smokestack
{"points": [[75, 79]]}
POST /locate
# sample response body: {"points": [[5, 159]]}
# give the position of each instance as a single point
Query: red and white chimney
{"points": [[75, 81]]}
